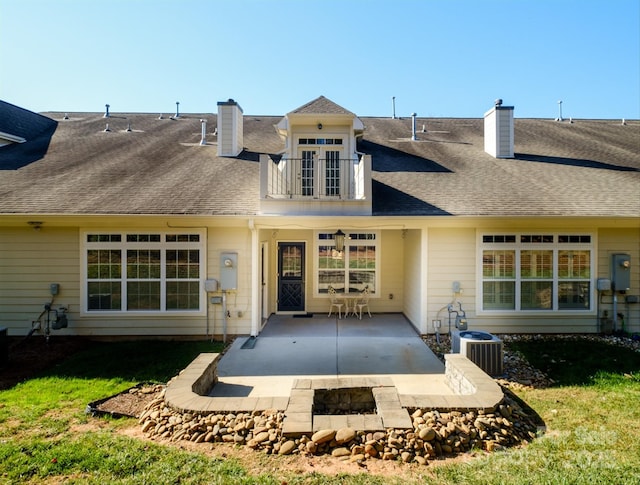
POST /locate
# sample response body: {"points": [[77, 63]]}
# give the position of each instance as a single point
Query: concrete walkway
{"points": [[318, 347]]}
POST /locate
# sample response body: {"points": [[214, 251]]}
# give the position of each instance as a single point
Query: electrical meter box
{"points": [[621, 272], [229, 271]]}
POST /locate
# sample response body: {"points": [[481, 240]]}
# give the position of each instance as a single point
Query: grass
{"points": [[592, 417]]}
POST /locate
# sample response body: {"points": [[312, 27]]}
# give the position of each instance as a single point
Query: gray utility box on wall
{"points": [[228, 271], [621, 272]]}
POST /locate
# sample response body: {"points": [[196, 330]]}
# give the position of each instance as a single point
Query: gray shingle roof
{"points": [[587, 168], [321, 105]]}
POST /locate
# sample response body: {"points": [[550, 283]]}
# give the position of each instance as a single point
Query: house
{"points": [[205, 224]]}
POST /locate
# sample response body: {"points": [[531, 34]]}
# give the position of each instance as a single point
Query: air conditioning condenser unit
{"points": [[482, 348]]}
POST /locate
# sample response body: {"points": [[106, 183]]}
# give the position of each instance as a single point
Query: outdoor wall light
{"points": [[339, 240], [319, 126]]}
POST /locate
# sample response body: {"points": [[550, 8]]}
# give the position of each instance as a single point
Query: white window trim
{"points": [[124, 245], [369, 242], [555, 247]]}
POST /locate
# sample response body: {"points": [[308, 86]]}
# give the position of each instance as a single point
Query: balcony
{"points": [[315, 186]]}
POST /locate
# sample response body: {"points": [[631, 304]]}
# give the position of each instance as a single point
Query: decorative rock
{"points": [[344, 435], [370, 450], [427, 434], [420, 460], [357, 458], [338, 452], [287, 447], [323, 436], [434, 434], [261, 437], [357, 450]]}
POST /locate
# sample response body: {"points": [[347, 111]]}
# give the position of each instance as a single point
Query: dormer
{"points": [[9, 139], [320, 169]]}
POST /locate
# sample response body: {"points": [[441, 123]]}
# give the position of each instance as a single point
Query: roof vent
{"points": [[498, 102], [559, 118], [624, 122], [160, 117], [106, 128], [203, 140], [424, 128], [128, 127], [106, 113], [413, 126], [393, 106], [177, 109], [66, 116]]}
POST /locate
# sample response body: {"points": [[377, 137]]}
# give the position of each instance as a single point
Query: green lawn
{"points": [[592, 417]]}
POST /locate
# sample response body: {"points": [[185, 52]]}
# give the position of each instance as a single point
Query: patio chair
{"points": [[335, 302], [361, 303]]}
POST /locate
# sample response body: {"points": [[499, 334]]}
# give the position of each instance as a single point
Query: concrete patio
{"points": [[320, 347], [293, 358]]}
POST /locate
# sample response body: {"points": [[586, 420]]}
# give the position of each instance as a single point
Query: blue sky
{"points": [[438, 58]]}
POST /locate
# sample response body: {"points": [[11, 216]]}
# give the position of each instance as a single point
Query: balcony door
{"points": [[320, 172]]}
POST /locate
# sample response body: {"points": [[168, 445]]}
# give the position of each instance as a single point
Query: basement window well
{"points": [[351, 400]]}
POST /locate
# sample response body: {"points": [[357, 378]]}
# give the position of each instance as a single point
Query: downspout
{"points": [[256, 290], [224, 316]]}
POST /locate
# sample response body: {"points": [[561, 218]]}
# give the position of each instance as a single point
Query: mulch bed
{"points": [[129, 403]]}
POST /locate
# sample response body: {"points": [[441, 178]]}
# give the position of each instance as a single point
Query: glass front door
{"points": [[291, 277]]}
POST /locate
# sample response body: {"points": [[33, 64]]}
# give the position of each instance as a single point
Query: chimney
{"points": [[498, 131], [230, 129]]}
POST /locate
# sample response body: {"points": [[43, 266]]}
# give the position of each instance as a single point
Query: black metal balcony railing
{"points": [[298, 178]]}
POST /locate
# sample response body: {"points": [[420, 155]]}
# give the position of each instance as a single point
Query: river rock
{"points": [[323, 436], [427, 434], [287, 447], [342, 451], [344, 435]]}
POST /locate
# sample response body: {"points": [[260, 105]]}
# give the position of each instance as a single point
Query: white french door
{"points": [[320, 172]]}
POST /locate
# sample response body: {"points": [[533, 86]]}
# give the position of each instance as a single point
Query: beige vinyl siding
{"points": [[607, 242], [29, 262], [390, 277], [413, 265], [235, 240], [625, 241], [452, 257]]}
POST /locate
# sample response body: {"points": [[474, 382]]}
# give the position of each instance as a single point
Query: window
{"points": [[332, 172], [137, 272], [307, 172], [319, 141], [351, 270], [536, 272]]}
